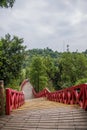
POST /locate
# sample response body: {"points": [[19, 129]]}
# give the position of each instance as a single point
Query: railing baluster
{"points": [[14, 99], [73, 95]]}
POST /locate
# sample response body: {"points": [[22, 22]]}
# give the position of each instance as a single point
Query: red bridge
{"points": [[61, 110]]}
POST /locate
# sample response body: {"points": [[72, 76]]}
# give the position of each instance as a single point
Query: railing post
{"points": [[7, 101], [2, 98], [85, 100]]}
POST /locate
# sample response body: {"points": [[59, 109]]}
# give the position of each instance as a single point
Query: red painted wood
{"points": [[14, 99], [72, 95], [23, 83]]}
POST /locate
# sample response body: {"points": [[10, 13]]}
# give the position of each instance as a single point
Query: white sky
{"points": [[47, 23]]}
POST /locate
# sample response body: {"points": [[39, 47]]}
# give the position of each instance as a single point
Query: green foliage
{"points": [[72, 66], [81, 81], [11, 58], [38, 74], [44, 67], [40, 52], [43, 52], [81, 66], [14, 84], [62, 70], [51, 71], [50, 86], [50, 62], [7, 3]]}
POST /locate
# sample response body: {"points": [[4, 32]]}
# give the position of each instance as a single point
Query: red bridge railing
{"points": [[72, 95], [23, 83], [14, 99]]}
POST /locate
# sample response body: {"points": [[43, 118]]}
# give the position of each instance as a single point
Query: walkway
{"points": [[27, 89], [39, 114]]}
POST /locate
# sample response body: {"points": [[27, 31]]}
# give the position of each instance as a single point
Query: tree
{"points": [[81, 81], [7, 3], [72, 66], [38, 75], [81, 66], [51, 70], [61, 69], [11, 57]]}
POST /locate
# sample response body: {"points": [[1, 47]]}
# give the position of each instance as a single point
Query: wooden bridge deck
{"points": [[39, 114]]}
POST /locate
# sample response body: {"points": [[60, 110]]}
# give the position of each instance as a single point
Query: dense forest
{"points": [[43, 67], [55, 70]]}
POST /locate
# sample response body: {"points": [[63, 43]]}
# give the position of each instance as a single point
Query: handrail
{"points": [[23, 83], [44, 93], [14, 99], [72, 95]]}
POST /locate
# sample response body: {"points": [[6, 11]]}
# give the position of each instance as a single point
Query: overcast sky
{"points": [[47, 23]]}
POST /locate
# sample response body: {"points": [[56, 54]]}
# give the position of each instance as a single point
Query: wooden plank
{"points": [[45, 115]]}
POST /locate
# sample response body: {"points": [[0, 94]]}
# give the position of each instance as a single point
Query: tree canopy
{"points": [[44, 67], [11, 57], [7, 3], [38, 75], [72, 66], [62, 70]]}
